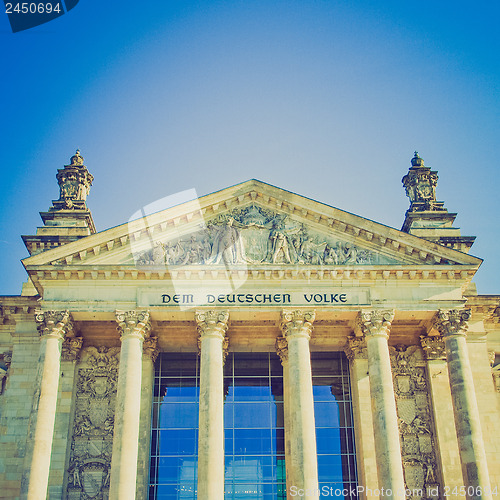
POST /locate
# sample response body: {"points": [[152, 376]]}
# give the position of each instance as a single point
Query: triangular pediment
{"points": [[250, 225]]}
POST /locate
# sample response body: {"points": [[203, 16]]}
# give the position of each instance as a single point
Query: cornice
{"points": [[354, 276]]}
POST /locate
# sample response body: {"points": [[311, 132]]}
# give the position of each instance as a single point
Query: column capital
{"points": [[375, 322], [212, 323], [451, 322], [71, 348], [433, 347], [54, 324], [355, 348], [133, 324], [297, 323], [281, 346], [150, 348]]}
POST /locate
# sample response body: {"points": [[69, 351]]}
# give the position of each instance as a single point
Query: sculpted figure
{"points": [[330, 255], [193, 253], [159, 253], [227, 245], [280, 245]]}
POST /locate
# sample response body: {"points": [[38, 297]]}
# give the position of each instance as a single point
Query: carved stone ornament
{"points": [[74, 184], [375, 322], [495, 372], [433, 347], [5, 361], [297, 322], [420, 185], [54, 323], [414, 416], [212, 322], [282, 349], [133, 323], [452, 322], [150, 348], [90, 458], [71, 348], [355, 348], [255, 235]]}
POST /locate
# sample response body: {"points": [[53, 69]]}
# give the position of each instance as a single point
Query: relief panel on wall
{"points": [[92, 441], [415, 421]]}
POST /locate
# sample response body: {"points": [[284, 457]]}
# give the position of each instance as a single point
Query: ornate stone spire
{"points": [[68, 219], [420, 184], [74, 185], [426, 216]]}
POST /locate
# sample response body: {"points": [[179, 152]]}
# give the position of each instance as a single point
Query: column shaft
{"points": [[53, 325], [442, 409], [282, 350], [150, 352], [362, 414], [212, 326], [133, 325], [376, 325], [296, 327], [453, 326]]}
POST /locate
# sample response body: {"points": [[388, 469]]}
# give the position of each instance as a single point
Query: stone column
{"points": [[375, 325], [442, 408], [452, 325], [212, 327], [134, 326], [53, 326], [61, 445], [362, 414], [296, 326], [282, 351], [150, 353]]}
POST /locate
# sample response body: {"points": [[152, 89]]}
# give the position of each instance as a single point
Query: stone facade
{"points": [[251, 268]]}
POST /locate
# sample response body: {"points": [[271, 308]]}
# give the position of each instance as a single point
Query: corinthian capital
{"points": [[356, 348], [133, 324], [375, 322], [297, 322], [150, 348], [452, 322], [211, 323], [71, 348], [282, 349], [54, 323], [433, 347]]}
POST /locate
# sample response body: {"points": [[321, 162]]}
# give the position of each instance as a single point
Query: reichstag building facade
{"points": [[252, 344]]}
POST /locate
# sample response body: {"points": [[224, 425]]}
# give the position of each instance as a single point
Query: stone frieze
{"points": [[254, 235]]}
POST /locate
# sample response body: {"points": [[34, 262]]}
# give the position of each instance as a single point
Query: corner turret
{"points": [[68, 219], [426, 216]]}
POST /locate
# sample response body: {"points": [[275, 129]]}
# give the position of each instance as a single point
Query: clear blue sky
{"points": [[328, 99]]}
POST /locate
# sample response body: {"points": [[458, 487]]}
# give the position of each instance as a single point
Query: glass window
{"points": [[333, 415], [174, 438], [253, 421]]}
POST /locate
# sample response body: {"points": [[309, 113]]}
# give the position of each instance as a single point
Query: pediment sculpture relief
{"points": [[254, 235]]}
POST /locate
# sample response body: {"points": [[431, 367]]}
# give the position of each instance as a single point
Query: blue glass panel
{"points": [[322, 392], [178, 441], [258, 392], [253, 442], [328, 440], [326, 414], [179, 415], [252, 415], [330, 468], [183, 393]]}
